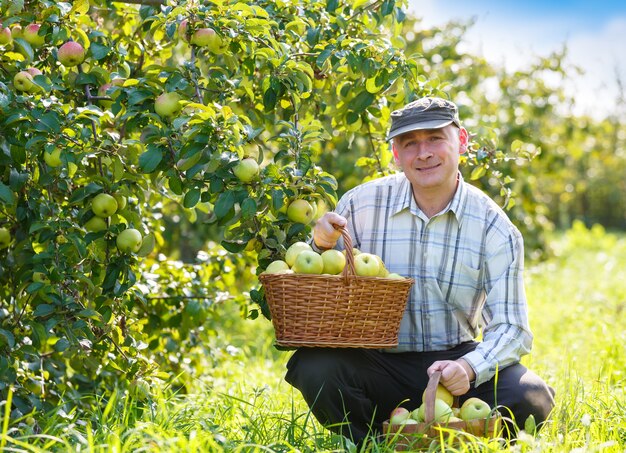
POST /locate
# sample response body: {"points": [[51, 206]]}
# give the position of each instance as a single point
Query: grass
{"points": [[241, 403]]}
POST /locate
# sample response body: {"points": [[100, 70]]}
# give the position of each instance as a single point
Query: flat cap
{"points": [[425, 113]]}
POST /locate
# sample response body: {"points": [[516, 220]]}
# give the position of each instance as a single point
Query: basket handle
{"points": [[429, 397], [349, 269]]}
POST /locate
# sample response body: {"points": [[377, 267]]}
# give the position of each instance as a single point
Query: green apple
{"points": [[409, 421], [121, 201], [300, 211], [454, 419], [209, 38], [23, 81], [443, 394], [167, 105], [474, 408], [293, 251], [366, 265], [104, 205], [40, 277], [355, 251], [71, 54], [399, 415], [53, 159], [5, 237], [443, 411], [5, 36], [32, 37], [334, 261], [308, 262], [382, 270], [276, 266], [246, 169], [95, 224], [393, 275], [416, 415], [129, 241]]}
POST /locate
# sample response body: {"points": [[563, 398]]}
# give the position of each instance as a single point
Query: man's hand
{"points": [[325, 232], [456, 375]]}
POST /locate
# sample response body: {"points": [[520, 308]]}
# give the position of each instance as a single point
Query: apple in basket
{"points": [[474, 408], [366, 265], [334, 261], [308, 262], [443, 411], [275, 267], [399, 415], [294, 250]]}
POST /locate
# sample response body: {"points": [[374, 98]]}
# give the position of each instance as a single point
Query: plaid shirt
{"points": [[467, 262]]}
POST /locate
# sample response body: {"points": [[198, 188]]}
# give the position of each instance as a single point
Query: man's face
{"points": [[430, 157]]}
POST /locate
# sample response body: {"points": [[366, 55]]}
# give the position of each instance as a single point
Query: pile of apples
{"points": [[472, 409], [300, 258]]}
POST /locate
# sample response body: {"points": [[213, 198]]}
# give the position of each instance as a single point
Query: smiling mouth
{"points": [[432, 167]]}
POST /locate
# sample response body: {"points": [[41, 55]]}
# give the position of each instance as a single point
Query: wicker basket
{"points": [[420, 435], [336, 311]]}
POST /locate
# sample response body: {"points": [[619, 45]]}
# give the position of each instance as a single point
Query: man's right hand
{"points": [[326, 230]]}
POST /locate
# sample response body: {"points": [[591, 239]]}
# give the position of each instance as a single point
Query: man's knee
{"points": [[537, 397], [521, 393]]}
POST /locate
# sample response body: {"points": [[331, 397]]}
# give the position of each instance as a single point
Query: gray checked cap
{"points": [[425, 113]]}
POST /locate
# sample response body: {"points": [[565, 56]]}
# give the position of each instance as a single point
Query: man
{"points": [[467, 260]]}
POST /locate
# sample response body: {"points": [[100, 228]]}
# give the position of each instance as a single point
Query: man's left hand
{"points": [[456, 375]]}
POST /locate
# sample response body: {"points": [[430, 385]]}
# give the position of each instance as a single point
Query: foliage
{"points": [[78, 316]]}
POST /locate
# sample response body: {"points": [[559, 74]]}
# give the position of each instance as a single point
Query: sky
{"points": [[513, 33]]}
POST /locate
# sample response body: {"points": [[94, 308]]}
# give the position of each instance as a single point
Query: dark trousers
{"points": [[352, 391]]}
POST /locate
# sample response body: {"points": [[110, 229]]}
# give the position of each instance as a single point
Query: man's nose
{"points": [[423, 151]]}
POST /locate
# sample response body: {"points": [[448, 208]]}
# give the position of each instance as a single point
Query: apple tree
{"points": [[116, 118]]}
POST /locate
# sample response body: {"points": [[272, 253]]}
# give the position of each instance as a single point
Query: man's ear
{"points": [[395, 153], [463, 140]]}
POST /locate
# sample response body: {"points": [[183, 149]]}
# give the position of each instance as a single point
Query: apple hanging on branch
{"points": [[71, 54]]}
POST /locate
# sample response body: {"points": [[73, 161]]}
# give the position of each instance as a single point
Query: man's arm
{"points": [[506, 337]]}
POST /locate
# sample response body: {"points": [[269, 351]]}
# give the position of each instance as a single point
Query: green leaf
{"points": [[98, 51], [10, 339], [150, 159], [225, 202], [138, 96], [49, 123], [191, 198], [80, 7], [478, 172], [516, 146], [233, 247], [248, 208], [147, 245], [84, 192], [363, 100], [270, 97], [43, 310], [323, 56], [6, 195], [61, 345]]}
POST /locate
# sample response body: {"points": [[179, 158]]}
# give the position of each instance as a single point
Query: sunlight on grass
{"points": [[239, 402]]}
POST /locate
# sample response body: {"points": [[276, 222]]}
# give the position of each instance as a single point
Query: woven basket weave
{"points": [[346, 310]]}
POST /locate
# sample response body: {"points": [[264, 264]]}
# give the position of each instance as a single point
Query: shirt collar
{"points": [[404, 198]]}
